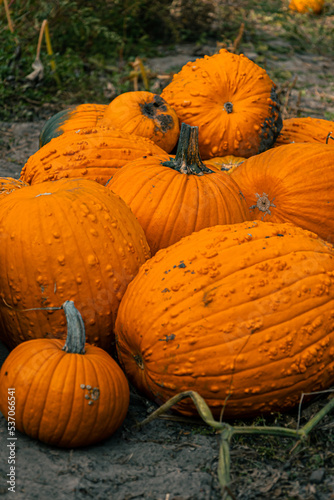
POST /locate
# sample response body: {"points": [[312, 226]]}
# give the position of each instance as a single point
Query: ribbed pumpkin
{"points": [[242, 314], [9, 184], [64, 395], [94, 154], [305, 130], [145, 114], [72, 118], [65, 240], [174, 196], [226, 163], [292, 183], [233, 102], [307, 6]]}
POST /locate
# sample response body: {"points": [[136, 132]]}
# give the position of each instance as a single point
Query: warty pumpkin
{"points": [[292, 183], [307, 6], [71, 118], [71, 239], [145, 114], [241, 314], [172, 196], [231, 99], [66, 394], [94, 154], [305, 130]]}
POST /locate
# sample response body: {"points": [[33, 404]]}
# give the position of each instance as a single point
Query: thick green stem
{"points": [[187, 159], [76, 334]]}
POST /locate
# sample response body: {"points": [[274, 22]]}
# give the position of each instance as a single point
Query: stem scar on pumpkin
{"points": [[263, 204], [139, 360]]}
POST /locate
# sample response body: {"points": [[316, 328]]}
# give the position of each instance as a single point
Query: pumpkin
{"points": [[65, 394], [292, 183], [94, 154], [226, 163], [145, 114], [9, 184], [71, 239], [71, 118], [233, 102], [304, 130], [241, 314], [172, 196], [307, 6]]}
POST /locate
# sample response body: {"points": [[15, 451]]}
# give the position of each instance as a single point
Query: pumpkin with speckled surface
{"points": [[305, 130], [65, 395], [94, 154], [292, 183], [307, 6], [241, 314], [145, 114], [71, 239], [172, 196], [9, 184], [231, 99], [72, 118]]}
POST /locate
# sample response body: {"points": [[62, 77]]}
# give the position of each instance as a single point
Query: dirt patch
{"points": [[177, 459]]}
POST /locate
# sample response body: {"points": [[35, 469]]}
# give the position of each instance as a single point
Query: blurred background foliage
{"points": [[95, 43]]}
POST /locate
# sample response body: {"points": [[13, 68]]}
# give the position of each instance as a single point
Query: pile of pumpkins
{"points": [[180, 241]]}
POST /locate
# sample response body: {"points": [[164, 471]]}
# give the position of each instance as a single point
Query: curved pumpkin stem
{"points": [[187, 159], [329, 136], [76, 333]]}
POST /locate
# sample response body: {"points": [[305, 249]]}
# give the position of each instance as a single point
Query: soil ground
{"points": [[169, 459]]}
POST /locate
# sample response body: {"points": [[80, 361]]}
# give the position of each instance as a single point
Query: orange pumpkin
{"points": [[94, 154], [241, 314], [72, 118], [9, 184], [71, 239], [292, 183], [145, 114], [172, 196], [307, 6], [66, 395], [305, 130], [233, 102]]}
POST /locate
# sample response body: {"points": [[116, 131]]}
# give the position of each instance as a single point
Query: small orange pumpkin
{"points": [[241, 314], [233, 102], [307, 6], [144, 114], [172, 196], [292, 183], [305, 130], [66, 395], [94, 154]]}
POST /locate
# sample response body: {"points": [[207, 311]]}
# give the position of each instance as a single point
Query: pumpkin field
{"points": [[167, 250]]}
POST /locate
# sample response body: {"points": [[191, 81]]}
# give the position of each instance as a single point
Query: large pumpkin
{"points": [[94, 154], [233, 102], [71, 239], [307, 6], [292, 183], [72, 118], [174, 196], [305, 130], [242, 314], [145, 114], [64, 395]]}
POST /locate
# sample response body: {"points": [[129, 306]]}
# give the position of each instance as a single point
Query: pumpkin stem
{"points": [[329, 136], [187, 159], [76, 334]]}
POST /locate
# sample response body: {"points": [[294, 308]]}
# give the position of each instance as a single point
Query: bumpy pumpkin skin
{"points": [[233, 102], [50, 403], [307, 6], [65, 240], [145, 114], [9, 184], [305, 130], [242, 314], [94, 154], [173, 196], [72, 118], [292, 183]]}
